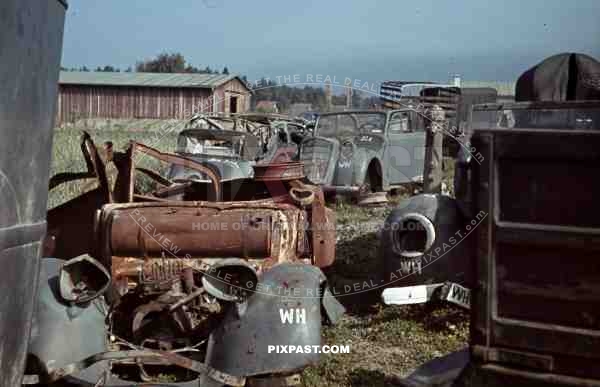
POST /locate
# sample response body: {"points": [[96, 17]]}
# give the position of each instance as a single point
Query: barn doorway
{"points": [[233, 104]]}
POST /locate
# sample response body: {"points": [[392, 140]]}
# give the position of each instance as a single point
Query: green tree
{"points": [[285, 95], [225, 70], [163, 63], [107, 69]]}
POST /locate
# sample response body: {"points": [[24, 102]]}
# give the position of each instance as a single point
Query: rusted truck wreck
{"points": [[147, 289]]}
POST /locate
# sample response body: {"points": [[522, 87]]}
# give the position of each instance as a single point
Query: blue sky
{"points": [[370, 40]]}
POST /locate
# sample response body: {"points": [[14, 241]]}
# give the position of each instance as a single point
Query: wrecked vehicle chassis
{"points": [[185, 276]]}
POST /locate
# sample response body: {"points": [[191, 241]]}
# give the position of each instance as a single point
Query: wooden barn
{"points": [[85, 95]]}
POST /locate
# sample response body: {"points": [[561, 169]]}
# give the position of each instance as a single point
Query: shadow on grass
{"points": [[356, 273], [356, 278], [361, 377], [433, 317]]}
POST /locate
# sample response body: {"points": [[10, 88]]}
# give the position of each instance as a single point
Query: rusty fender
{"points": [[260, 230]]}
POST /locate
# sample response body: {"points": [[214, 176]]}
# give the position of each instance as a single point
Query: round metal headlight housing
{"points": [[412, 235]]}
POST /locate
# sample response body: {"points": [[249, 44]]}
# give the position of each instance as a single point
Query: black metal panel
{"points": [[447, 259], [538, 294], [31, 33]]}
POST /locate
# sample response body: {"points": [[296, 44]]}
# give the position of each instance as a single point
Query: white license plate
{"points": [[459, 295], [405, 296]]}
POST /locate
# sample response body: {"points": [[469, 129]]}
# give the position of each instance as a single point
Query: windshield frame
{"points": [[240, 142], [351, 113]]}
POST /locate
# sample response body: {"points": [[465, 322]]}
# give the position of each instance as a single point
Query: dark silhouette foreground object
{"points": [[562, 77]]}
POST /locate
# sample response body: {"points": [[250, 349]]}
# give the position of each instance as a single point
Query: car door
{"points": [[405, 148]]}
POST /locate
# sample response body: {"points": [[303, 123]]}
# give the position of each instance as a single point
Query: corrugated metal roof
{"points": [[205, 81]]}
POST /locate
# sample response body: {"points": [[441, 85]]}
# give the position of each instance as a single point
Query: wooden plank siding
{"points": [[233, 88], [126, 102]]}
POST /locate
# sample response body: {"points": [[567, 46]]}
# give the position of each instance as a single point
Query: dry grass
{"points": [[67, 156]]}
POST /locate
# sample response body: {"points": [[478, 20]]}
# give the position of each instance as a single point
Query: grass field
{"points": [[385, 342], [67, 156]]}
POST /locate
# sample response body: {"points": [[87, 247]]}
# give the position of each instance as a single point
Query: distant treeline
{"points": [[284, 95], [163, 63]]}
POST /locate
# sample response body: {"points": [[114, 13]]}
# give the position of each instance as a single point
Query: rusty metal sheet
{"points": [[150, 232], [323, 232], [279, 171], [70, 225], [126, 164], [260, 229]]}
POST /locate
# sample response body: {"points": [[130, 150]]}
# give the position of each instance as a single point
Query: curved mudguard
{"points": [[352, 171], [240, 346], [62, 334], [447, 257]]}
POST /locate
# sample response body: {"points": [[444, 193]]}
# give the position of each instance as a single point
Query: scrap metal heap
{"points": [[175, 273]]}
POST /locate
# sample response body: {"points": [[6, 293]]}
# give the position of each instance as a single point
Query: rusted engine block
{"points": [[179, 230], [136, 236]]}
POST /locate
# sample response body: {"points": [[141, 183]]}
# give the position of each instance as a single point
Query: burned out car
{"points": [[365, 151], [278, 135], [175, 292], [230, 154]]}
